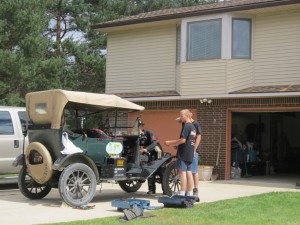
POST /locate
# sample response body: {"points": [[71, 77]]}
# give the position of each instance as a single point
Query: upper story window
{"points": [[220, 36], [204, 39], [241, 39]]}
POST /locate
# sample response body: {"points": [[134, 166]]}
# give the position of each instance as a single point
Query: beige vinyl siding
{"points": [[239, 74], [178, 78], [141, 60], [203, 77], [215, 76], [277, 49]]}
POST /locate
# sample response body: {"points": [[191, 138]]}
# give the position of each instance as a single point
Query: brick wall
{"points": [[213, 123], [213, 118]]}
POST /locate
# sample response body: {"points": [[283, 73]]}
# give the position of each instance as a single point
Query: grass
{"points": [[265, 209]]}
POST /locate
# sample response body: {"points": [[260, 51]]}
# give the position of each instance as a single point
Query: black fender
{"points": [[151, 167], [19, 161], [65, 160]]}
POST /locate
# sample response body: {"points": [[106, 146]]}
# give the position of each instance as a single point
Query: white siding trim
{"points": [[226, 36]]}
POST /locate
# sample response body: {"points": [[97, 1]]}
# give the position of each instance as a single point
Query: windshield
{"points": [[110, 122]]}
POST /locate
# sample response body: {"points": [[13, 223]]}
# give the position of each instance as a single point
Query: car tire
{"points": [[30, 188], [130, 185], [171, 180], [77, 185]]}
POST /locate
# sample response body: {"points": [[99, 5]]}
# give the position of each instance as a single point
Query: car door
{"points": [[10, 140]]}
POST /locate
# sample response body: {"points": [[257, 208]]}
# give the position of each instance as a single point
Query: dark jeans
{"points": [[151, 183]]}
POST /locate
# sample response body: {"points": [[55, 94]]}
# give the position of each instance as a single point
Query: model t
{"points": [[70, 150]]}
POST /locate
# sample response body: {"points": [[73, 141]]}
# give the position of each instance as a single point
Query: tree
{"points": [[50, 44], [22, 47], [32, 58], [70, 29]]}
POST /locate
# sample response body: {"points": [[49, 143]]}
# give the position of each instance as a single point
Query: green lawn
{"points": [[265, 209]]}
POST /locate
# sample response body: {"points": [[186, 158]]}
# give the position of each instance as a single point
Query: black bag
{"points": [[178, 201]]}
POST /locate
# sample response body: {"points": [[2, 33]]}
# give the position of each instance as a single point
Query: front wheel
{"points": [[130, 185], [77, 185], [171, 179], [29, 188]]}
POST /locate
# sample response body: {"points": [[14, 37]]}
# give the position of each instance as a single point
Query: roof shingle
{"points": [[166, 14], [269, 89]]}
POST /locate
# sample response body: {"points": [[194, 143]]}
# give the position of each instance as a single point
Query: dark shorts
{"points": [[183, 165]]}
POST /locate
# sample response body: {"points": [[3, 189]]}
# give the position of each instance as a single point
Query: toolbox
{"points": [[178, 201], [122, 204]]}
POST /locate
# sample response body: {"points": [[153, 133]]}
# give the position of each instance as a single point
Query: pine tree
{"points": [[22, 47], [50, 44]]}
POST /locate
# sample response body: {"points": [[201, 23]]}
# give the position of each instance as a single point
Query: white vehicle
{"points": [[12, 119]]}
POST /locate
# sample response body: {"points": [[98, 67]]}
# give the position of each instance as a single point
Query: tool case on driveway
{"points": [[178, 201], [122, 204]]}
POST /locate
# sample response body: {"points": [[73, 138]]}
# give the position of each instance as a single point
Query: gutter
{"points": [[221, 96]]}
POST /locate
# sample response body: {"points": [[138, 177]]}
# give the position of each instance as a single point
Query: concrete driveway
{"points": [[18, 210]]}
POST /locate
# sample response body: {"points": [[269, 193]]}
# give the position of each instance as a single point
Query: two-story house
{"points": [[236, 64]]}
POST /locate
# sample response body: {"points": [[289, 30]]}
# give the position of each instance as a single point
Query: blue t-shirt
{"points": [[185, 151]]}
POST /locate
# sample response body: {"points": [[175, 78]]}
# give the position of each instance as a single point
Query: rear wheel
{"points": [[77, 184], [29, 188], [130, 185], [171, 180]]}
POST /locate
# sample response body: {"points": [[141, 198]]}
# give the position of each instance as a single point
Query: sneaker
{"points": [[150, 192], [179, 193], [189, 193], [195, 192]]}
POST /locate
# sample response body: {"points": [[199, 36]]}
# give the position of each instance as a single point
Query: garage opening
{"points": [[265, 142]]}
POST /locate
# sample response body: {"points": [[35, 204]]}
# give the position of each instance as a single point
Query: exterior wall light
{"points": [[205, 100]]}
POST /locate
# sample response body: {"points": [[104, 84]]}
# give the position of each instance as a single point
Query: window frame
{"points": [[188, 39], [250, 38]]}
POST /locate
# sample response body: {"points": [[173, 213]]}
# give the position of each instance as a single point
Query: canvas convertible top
{"points": [[46, 107]]}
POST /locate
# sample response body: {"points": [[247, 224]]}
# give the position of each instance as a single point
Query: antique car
{"points": [[78, 140]]}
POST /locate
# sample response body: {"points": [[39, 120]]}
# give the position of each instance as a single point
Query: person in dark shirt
{"points": [[196, 153], [185, 152], [149, 144]]}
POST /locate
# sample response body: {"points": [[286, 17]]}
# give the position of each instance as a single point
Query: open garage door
{"points": [[266, 142]]}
